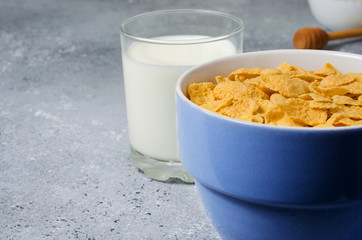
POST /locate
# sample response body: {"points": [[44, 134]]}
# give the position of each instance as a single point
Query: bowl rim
{"points": [[312, 52]]}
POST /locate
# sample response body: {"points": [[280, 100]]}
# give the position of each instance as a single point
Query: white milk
{"points": [[150, 75]]}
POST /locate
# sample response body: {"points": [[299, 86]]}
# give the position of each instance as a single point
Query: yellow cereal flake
{"points": [[242, 109], [345, 100], [274, 115], [288, 69], [215, 106], [288, 121], [354, 88], [286, 86], [289, 87], [220, 79], [297, 72], [285, 96], [340, 120], [260, 84], [356, 76], [264, 105], [271, 71], [299, 110], [327, 92], [322, 105], [330, 92], [336, 80], [238, 90], [315, 97], [353, 112], [244, 73], [349, 122], [201, 93], [307, 76], [314, 88], [327, 70], [332, 121]]}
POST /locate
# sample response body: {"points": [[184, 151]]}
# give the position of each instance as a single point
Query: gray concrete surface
{"points": [[65, 171]]}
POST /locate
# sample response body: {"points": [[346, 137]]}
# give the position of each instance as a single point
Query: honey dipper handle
{"points": [[345, 34]]}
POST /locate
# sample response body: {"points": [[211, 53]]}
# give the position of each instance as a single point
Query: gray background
{"points": [[65, 171]]}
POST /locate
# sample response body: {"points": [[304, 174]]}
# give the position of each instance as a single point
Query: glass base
{"points": [[164, 171]]}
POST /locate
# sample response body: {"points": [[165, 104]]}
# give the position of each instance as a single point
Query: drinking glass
{"points": [[157, 47]]}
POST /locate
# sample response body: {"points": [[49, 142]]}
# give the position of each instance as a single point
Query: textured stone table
{"points": [[65, 171]]}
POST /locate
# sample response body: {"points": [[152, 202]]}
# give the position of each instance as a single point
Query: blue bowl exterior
{"points": [[265, 182], [267, 163], [236, 219]]}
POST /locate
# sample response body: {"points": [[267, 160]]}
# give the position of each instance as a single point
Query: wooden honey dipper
{"points": [[317, 38]]}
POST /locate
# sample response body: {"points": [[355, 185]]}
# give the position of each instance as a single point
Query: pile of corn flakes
{"points": [[285, 96]]}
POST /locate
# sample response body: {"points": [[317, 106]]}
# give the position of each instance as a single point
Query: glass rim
{"points": [[235, 31]]}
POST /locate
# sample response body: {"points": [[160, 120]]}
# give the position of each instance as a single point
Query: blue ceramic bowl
{"points": [[255, 178]]}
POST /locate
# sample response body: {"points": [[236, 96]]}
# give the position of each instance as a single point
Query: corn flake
{"points": [[345, 100], [242, 74], [353, 112], [336, 80], [297, 72], [354, 88], [242, 109], [286, 86], [238, 90], [315, 97], [201, 93], [322, 105], [285, 96], [349, 122], [300, 110], [215, 106], [327, 70]]}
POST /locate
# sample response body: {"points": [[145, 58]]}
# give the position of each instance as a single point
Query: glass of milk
{"points": [[157, 47]]}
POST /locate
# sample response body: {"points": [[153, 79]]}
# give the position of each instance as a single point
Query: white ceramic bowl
{"points": [[337, 15]]}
